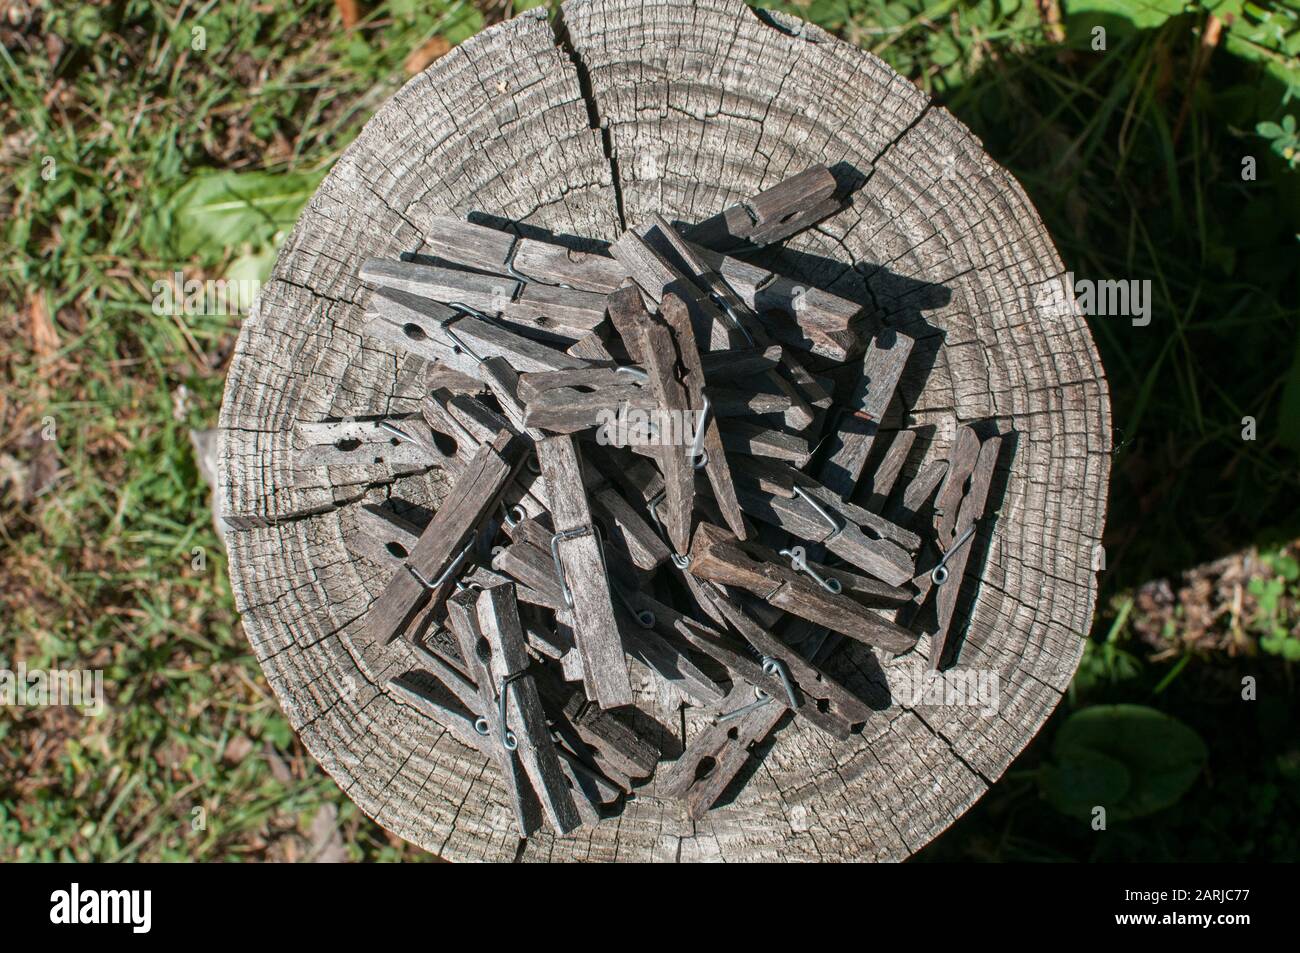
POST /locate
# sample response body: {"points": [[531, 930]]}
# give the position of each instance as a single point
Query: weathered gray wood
{"points": [[882, 366], [657, 348], [369, 443], [628, 529], [594, 626], [741, 436], [477, 490], [961, 464], [971, 509], [773, 214], [917, 492], [622, 754], [477, 653], [561, 266], [719, 557], [498, 620], [565, 410], [677, 314], [502, 124], [717, 754], [409, 323], [887, 470]]}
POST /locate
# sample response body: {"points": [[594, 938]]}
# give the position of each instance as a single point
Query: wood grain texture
{"points": [[703, 104]]}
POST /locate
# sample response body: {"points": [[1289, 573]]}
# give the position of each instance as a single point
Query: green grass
{"points": [[1132, 156]]}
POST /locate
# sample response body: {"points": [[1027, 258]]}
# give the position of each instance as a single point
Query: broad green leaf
{"points": [[216, 212], [1141, 14], [1084, 781], [1130, 759]]}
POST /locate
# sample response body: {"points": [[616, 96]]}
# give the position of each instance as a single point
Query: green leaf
{"points": [[1130, 759], [1269, 130], [216, 212], [1142, 14]]}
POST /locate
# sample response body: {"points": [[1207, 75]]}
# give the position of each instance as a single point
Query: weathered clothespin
{"points": [[656, 275], [718, 752], [916, 494], [526, 259], [400, 444], [460, 334], [807, 510], [741, 436], [719, 557], [505, 721], [955, 527], [520, 712], [699, 274], [761, 660], [584, 584], [381, 536], [428, 573], [652, 341], [707, 451], [620, 753], [417, 325], [823, 323], [882, 366], [572, 400], [530, 307], [772, 215], [886, 472]]}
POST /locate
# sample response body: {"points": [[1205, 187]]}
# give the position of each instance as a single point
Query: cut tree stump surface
{"points": [[617, 110]]}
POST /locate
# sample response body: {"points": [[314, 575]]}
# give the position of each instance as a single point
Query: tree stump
{"points": [[616, 110]]}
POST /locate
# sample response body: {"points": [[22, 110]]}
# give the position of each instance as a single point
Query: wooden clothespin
{"points": [[527, 259], [810, 512], [417, 325], [428, 572], [572, 400], [761, 660], [529, 306], [886, 472], [442, 376], [882, 366], [461, 335], [720, 750], [628, 529], [956, 527], [507, 723], [719, 557], [754, 440], [656, 275], [738, 364], [916, 494], [651, 340], [402, 444], [707, 451], [521, 705], [698, 272], [773, 215], [381, 536], [581, 567], [619, 752], [716, 754]]}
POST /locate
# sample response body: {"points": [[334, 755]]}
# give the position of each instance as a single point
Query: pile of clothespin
{"points": [[647, 468]]}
